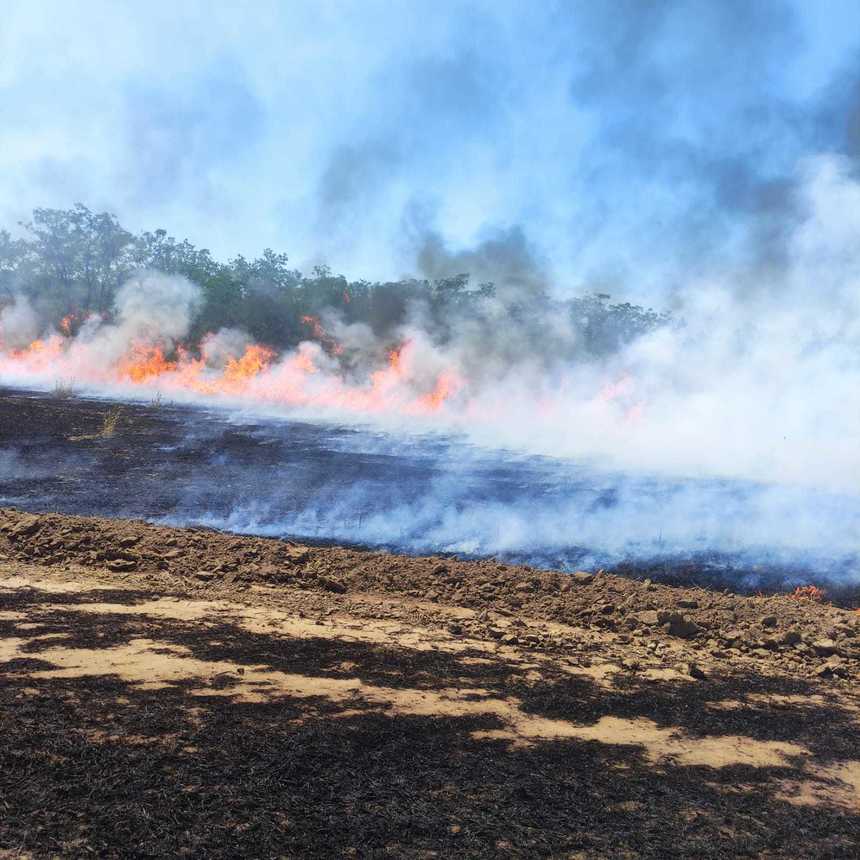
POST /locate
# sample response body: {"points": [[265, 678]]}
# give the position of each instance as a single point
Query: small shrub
{"points": [[110, 421]]}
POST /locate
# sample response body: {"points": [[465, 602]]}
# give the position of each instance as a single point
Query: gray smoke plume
{"points": [[504, 258], [151, 309], [19, 323]]}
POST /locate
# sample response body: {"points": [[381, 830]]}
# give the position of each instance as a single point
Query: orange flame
{"points": [[300, 378], [395, 357], [320, 334], [809, 592], [39, 353], [66, 324], [447, 384], [145, 362], [252, 362], [315, 326]]}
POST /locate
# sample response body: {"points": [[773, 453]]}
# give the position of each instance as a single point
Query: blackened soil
{"points": [[332, 485]]}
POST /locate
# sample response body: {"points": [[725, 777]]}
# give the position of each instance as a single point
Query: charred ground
{"points": [[294, 479]]}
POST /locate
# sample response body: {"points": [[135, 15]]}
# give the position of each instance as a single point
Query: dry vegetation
{"points": [[64, 389], [109, 425]]}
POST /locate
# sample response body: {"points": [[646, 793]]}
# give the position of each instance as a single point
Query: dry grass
{"points": [[110, 422]]}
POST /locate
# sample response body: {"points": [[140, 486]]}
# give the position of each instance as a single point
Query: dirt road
{"points": [[183, 692]]}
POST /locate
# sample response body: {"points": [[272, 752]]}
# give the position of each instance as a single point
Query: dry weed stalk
{"points": [[64, 389], [110, 422]]}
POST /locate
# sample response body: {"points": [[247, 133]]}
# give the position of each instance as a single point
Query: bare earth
{"points": [[180, 692]]}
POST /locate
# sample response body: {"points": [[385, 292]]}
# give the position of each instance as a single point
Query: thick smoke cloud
{"points": [[504, 258], [153, 306], [747, 383], [151, 309], [19, 324], [633, 143], [219, 347]]}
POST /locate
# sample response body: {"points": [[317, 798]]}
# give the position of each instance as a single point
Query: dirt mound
{"points": [[797, 634]]}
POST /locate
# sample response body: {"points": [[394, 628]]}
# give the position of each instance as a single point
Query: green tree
{"points": [[78, 257]]}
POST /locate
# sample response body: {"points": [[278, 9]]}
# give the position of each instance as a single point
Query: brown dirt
{"points": [[184, 692]]}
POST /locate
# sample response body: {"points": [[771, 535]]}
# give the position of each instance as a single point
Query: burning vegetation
{"points": [[733, 388], [163, 315]]}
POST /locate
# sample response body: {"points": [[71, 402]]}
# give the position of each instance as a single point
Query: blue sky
{"points": [[623, 143]]}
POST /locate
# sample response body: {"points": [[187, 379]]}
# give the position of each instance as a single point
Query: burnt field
{"points": [[185, 465]]}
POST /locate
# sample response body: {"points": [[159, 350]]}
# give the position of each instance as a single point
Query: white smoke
{"points": [[152, 309], [217, 348], [19, 324], [759, 382]]}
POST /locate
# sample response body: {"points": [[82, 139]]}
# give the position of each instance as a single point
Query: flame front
{"points": [[311, 376], [253, 361], [145, 362], [66, 324]]}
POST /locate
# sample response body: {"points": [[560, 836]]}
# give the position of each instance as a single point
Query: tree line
{"points": [[72, 261]]}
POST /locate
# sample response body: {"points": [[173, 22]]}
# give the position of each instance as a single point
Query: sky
{"points": [[625, 144]]}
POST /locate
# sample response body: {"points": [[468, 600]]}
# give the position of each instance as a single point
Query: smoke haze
{"points": [[699, 157], [754, 380], [632, 143], [19, 323]]}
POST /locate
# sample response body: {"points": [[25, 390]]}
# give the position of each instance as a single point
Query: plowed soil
{"points": [[182, 692]]}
